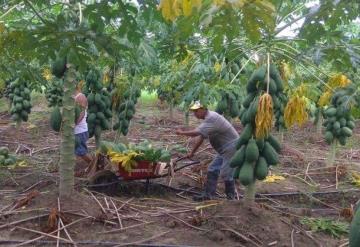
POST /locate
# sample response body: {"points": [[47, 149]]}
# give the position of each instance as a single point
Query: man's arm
{"points": [[81, 116], [199, 141], [191, 133]]}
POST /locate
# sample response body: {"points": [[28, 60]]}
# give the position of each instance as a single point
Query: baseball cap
{"points": [[197, 105]]}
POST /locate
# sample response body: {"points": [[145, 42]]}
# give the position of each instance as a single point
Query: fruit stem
{"points": [[249, 195], [332, 153]]}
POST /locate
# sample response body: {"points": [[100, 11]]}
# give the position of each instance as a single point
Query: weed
{"points": [[328, 226]]}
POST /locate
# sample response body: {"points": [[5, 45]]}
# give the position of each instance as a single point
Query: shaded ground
{"points": [[167, 216]]}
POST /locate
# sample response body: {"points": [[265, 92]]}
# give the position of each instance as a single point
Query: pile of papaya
{"points": [[339, 122], [254, 156], [6, 159]]}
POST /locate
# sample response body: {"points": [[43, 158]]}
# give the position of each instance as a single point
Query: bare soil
{"points": [[158, 215]]}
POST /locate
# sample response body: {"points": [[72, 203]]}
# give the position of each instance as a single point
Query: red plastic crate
{"points": [[144, 169]]}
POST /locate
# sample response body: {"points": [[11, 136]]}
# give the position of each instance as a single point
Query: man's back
{"points": [[218, 130]]}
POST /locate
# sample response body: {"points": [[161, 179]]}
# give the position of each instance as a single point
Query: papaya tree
{"points": [[71, 38], [264, 23]]}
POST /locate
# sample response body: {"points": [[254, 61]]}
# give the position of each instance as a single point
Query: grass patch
{"points": [[328, 226], [4, 105], [148, 98], [38, 99]]}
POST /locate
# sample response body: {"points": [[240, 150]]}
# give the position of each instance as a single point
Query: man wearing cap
{"points": [[222, 137]]}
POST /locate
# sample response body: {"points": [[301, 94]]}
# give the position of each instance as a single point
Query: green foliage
{"points": [[329, 226], [150, 153]]}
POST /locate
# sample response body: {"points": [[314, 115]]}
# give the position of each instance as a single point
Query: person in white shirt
{"points": [[81, 127]]}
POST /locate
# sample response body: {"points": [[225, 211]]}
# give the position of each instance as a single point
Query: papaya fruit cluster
{"points": [[6, 159], [338, 120], [229, 104], [58, 67], [99, 112], [19, 95], [280, 102], [126, 110], [5, 88], [56, 117], [279, 98], [231, 70], [54, 93], [99, 104], [93, 82], [254, 156]]}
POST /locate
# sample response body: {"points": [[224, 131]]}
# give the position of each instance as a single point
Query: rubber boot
{"points": [[230, 190], [210, 187]]}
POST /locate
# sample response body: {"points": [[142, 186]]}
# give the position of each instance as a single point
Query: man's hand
{"points": [[190, 155], [179, 132]]}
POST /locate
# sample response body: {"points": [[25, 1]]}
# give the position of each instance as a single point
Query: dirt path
{"points": [[166, 217]]}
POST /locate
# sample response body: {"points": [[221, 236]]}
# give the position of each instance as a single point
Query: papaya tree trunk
{"points": [[97, 140], [249, 195], [18, 126], [171, 110], [187, 118], [281, 130], [319, 124], [332, 153], [67, 155]]}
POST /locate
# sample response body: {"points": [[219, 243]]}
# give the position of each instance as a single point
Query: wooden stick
{"points": [[102, 208], [117, 214], [38, 238], [43, 149], [44, 234], [143, 240], [23, 211], [126, 228], [344, 244], [92, 217], [336, 177], [197, 228], [303, 231], [125, 203], [32, 186], [63, 225], [106, 202], [292, 238], [243, 237], [24, 220]]}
